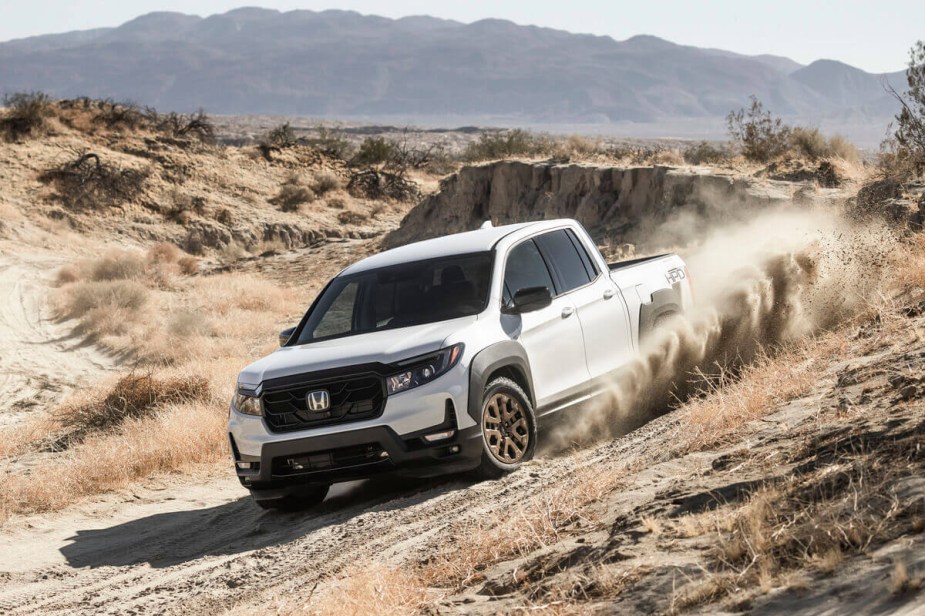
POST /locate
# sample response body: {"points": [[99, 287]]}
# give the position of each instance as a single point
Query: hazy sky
{"points": [[872, 35]]}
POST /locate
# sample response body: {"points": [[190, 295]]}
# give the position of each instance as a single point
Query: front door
{"points": [[552, 336]]}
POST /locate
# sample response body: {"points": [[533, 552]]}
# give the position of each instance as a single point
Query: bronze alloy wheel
{"points": [[505, 428]]}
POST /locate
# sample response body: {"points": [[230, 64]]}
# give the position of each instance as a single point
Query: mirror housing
{"points": [[528, 299], [285, 335]]}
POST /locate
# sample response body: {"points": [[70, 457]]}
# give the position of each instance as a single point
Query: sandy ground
{"points": [[198, 545], [42, 359]]}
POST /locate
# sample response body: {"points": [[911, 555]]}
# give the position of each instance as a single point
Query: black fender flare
{"points": [[664, 302], [506, 354]]}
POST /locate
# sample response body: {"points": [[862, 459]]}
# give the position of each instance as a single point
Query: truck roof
{"points": [[467, 242]]}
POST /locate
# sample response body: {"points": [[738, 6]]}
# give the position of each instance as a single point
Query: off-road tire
{"points": [[303, 498], [508, 427]]}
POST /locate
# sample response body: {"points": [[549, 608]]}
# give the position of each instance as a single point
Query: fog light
{"points": [[439, 436], [454, 449], [246, 466], [384, 454]]}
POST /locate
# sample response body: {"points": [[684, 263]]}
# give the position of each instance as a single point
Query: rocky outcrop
{"points": [[606, 200]]}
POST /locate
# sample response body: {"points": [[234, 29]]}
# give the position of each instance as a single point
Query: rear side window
{"points": [[525, 268], [564, 259], [590, 266]]}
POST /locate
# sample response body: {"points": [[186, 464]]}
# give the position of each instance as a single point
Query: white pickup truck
{"points": [[443, 356]]}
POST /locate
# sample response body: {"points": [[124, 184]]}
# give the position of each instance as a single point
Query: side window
{"points": [[525, 268], [564, 259], [590, 265], [338, 320]]}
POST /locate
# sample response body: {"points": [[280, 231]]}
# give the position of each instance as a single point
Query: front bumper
{"points": [[347, 451], [356, 454]]}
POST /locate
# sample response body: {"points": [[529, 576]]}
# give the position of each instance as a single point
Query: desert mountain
{"points": [[343, 64]]}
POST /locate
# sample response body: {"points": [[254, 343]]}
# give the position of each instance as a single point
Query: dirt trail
{"points": [[42, 359]]}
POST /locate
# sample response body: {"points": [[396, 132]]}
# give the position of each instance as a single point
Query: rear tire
{"points": [[508, 427], [298, 500]]}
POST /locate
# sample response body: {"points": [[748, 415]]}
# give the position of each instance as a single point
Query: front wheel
{"points": [[508, 428], [298, 499]]}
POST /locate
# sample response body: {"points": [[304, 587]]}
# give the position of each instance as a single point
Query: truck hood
{"points": [[384, 347]]}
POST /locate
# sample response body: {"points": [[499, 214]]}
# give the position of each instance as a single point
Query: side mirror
{"points": [[285, 335], [529, 299]]}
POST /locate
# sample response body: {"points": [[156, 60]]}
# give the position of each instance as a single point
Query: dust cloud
{"points": [[758, 284]]}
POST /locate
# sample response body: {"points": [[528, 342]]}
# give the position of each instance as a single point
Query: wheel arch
{"points": [[665, 302], [507, 359]]}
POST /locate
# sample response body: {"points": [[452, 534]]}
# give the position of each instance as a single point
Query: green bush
{"points": [[500, 145], [910, 123], [760, 136], [376, 151]]}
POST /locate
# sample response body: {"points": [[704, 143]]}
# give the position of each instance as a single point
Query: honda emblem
{"points": [[318, 400]]}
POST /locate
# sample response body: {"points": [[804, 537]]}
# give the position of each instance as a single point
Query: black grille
{"points": [[353, 398], [332, 459]]}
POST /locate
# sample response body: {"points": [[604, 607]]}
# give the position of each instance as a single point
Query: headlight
{"points": [[424, 369], [248, 405]]}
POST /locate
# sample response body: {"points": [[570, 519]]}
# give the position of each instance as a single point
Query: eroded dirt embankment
{"points": [[621, 201]]}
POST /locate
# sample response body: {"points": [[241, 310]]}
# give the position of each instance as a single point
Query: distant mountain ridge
{"points": [[343, 64]]}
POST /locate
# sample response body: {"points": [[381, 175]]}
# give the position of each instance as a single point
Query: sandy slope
{"points": [[42, 359]]}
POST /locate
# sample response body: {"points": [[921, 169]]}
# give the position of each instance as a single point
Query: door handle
{"points": [[609, 293], [567, 312]]}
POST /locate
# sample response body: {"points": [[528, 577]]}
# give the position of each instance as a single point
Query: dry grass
{"points": [[365, 588], [190, 334], [470, 545], [175, 439], [133, 396], [325, 182], [727, 402]]}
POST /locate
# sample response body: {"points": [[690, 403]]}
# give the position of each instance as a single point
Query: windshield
{"points": [[402, 295]]}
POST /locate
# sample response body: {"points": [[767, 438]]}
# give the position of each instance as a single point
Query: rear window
{"points": [[564, 259]]}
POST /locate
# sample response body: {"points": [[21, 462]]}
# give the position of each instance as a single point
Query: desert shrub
{"points": [[102, 307], [705, 153], [119, 265], [88, 183], [163, 252], [760, 136], [197, 125], [67, 275], [336, 201], [910, 123], [281, 136], [325, 182], [351, 217], [184, 206], [124, 115], [332, 142], [276, 139], [25, 115], [186, 323], [375, 184], [812, 144], [840, 147], [224, 216], [292, 194], [188, 265], [375, 151], [232, 252], [500, 145], [132, 396], [667, 156]]}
